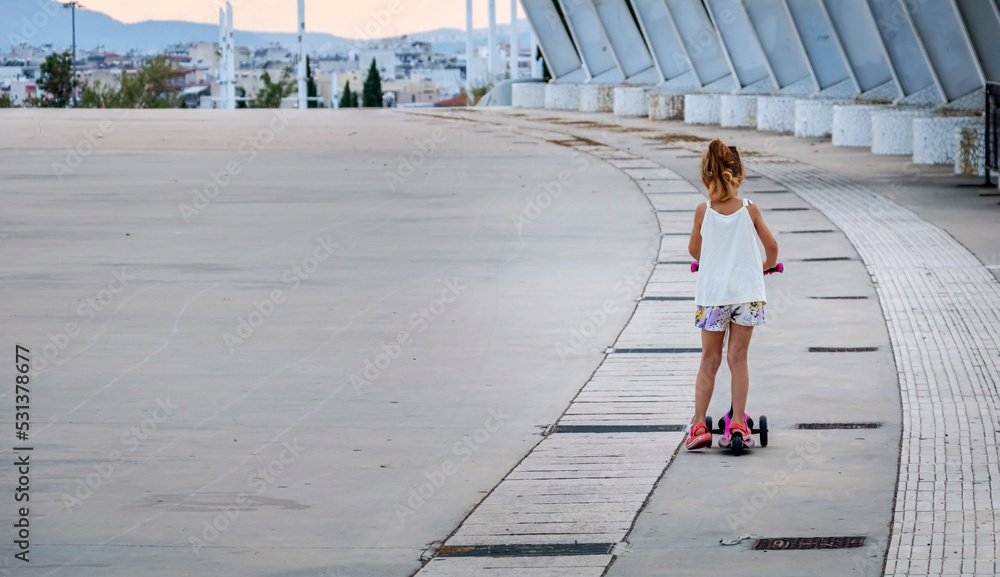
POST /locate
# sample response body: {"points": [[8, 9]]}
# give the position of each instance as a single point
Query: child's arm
{"points": [[766, 238], [694, 245]]}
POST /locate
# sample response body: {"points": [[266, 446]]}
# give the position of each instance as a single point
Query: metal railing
{"points": [[992, 136]]}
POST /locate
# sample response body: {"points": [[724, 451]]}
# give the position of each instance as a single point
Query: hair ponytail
{"points": [[722, 168]]}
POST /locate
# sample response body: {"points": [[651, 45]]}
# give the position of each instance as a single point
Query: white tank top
{"points": [[731, 270]]}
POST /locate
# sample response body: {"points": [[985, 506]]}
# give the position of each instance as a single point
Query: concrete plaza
{"points": [[328, 343]]}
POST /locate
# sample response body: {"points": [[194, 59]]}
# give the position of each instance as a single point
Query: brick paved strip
{"points": [[942, 309], [588, 488]]}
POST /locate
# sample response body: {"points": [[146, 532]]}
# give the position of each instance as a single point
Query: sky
{"points": [[356, 19]]}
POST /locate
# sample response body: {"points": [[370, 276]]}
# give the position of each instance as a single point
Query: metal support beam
{"points": [[909, 59], [701, 43], [663, 39], [554, 41], [950, 53], [742, 46], [585, 27], [779, 39], [622, 35], [858, 33], [982, 22], [822, 45]]}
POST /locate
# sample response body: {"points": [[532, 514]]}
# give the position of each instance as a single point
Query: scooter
{"points": [[736, 446]]}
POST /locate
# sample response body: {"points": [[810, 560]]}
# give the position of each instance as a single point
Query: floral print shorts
{"points": [[718, 318]]}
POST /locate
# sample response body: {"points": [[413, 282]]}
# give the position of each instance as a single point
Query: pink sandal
{"points": [[740, 429], [700, 437]]}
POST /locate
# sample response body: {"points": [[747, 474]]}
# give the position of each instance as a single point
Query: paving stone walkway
{"points": [[580, 489], [941, 307]]}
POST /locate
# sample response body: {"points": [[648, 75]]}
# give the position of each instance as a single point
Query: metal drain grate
{"points": [[677, 210], [827, 259], [800, 543], [676, 233], [541, 550], [824, 426], [842, 349], [840, 298], [807, 231], [617, 428], [788, 209], [654, 351]]}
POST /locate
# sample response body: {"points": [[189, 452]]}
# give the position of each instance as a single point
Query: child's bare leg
{"points": [[736, 356], [711, 358]]}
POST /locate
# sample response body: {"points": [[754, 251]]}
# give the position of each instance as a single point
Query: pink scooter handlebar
{"points": [[779, 268]]}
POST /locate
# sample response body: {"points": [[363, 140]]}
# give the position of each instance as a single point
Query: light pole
{"points": [[515, 48], [73, 6], [303, 103], [469, 100], [492, 34]]}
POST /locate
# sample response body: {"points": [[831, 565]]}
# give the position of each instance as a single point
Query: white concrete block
{"points": [[776, 114], [631, 101], [528, 95], [562, 96], [852, 124], [666, 106], [970, 144], [596, 98], [934, 137], [814, 118], [892, 130], [738, 110], [702, 108]]}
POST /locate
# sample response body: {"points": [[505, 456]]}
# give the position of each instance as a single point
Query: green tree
{"points": [[92, 95], [6, 101], [354, 99], [241, 93], [57, 79], [311, 91], [371, 97], [345, 98], [270, 95], [147, 87]]}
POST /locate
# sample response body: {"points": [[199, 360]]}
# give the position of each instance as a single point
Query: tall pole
{"points": [[302, 56], [469, 101], [73, 6], [223, 99], [230, 59], [493, 40], [515, 48], [73, 10]]}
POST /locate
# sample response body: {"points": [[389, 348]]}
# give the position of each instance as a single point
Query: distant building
{"points": [[395, 58]]}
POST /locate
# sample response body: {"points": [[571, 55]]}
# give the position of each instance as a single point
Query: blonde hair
{"points": [[722, 168]]}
